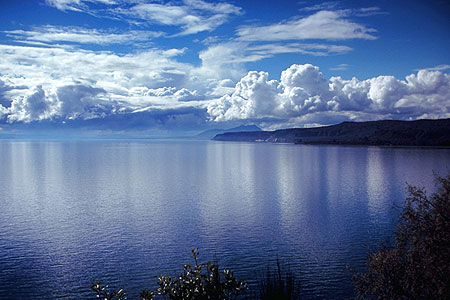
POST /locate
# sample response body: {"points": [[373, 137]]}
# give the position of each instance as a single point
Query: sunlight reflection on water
{"points": [[73, 212]]}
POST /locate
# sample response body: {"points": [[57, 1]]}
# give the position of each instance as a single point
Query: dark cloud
{"points": [[159, 121], [81, 100]]}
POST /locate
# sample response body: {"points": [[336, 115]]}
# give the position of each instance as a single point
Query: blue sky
{"points": [[179, 67]]}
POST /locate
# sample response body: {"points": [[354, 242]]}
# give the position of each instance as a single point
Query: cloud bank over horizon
{"points": [[302, 96], [190, 65]]}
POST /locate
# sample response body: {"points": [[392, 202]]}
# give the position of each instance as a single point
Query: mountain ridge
{"points": [[377, 133], [213, 132]]}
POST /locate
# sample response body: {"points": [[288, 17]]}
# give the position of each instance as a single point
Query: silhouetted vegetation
{"points": [[417, 266], [279, 285], [204, 281], [103, 292], [199, 281]]}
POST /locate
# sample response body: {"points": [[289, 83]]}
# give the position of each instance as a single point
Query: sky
{"points": [[158, 68]]}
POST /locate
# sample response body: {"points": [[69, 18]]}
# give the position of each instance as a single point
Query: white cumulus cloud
{"points": [[32, 106], [37, 84], [303, 92]]}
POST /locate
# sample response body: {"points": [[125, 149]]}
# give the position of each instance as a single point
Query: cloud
{"points": [[436, 68], [253, 97], [227, 60], [32, 66], [255, 43], [340, 67], [76, 5], [224, 60], [324, 25], [34, 105], [80, 100], [221, 7], [302, 93], [172, 93], [334, 5], [164, 14], [368, 11], [329, 5], [269, 50], [81, 103], [67, 102], [192, 16], [51, 34], [37, 83], [155, 121], [6, 86], [186, 95]]}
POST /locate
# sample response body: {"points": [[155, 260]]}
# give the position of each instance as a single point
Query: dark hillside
{"points": [[390, 132]]}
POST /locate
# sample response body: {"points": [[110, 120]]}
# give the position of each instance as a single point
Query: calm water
{"points": [[121, 212]]}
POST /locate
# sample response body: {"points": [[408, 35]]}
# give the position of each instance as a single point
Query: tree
{"points": [[417, 266]]}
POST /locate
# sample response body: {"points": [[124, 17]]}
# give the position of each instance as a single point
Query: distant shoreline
{"points": [[341, 145], [370, 145], [388, 133]]}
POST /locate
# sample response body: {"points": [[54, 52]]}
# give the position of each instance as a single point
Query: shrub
{"points": [[417, 266], [104, 293], [199, 281]]}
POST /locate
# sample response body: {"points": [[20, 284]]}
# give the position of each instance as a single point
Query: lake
{"points": [[123, 211]]}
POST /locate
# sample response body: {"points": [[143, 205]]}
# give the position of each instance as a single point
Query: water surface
{"points": [[121, 212]]}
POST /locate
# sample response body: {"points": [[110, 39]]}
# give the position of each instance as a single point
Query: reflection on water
{"points": [[73, 212]]}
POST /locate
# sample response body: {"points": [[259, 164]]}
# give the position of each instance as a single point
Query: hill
{"points": [[213, 132], [386, 132]]}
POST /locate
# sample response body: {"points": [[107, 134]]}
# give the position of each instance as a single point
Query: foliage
{"points": [[199, 281], [104, 293], [417, 266], [279, 285]]}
